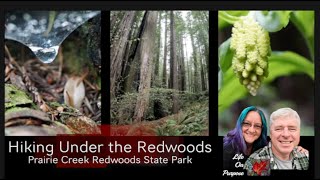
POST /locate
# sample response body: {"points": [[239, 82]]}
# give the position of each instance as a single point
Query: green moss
{"points": [[15, 97], [16, 109]]}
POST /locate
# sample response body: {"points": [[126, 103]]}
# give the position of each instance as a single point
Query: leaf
{"points": [[258, 167], [225, 55], [280, 64], [287, 63], [171, 122], [304, 21], [273, 21], [227, 18], [227, 93]]}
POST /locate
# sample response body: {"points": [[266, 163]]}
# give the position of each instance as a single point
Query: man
{"points": [[281, 152]]}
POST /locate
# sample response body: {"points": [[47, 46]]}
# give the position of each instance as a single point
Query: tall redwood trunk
{"points": [[173, 57], [146, 57], [118, 50]]}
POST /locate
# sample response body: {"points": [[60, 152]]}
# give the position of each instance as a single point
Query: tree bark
{"points": [[146, 56], [157, 60], [203, 81], [195, 64], [164, 71], [114, 24], [133, 60], [173, 64], [182, 68], [118, 49]]}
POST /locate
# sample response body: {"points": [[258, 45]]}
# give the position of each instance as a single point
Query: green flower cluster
{"points": [[251, 44]]}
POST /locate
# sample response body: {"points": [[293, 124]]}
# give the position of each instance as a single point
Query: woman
{"points": [[249, 135]]}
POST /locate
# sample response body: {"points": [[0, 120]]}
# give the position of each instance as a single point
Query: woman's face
{"points": [[251, 127]]}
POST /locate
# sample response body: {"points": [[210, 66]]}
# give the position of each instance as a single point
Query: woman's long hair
{"points": [[235, 137]]}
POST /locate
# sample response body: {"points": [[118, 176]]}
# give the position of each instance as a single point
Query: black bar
{"points": [[316, 96], [162, 5], [213, 76], [2, 139], [105, 67]]}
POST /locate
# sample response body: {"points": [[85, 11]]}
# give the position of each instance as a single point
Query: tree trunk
{"points": [[188, 76], [114, 24], [146, 56], [157, 60], [203, 38], [203, 81], [133, 60], [164, 73], [118, 49], [183, 68], [175, 107], [178, 59], [195, 64]]}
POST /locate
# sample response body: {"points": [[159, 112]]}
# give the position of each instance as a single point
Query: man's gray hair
{"points": [[284, 113]]}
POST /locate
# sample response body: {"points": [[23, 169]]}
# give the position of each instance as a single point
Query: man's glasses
{"points": [[247, 125]]}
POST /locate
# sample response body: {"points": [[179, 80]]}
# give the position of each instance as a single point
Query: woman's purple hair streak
{"points": [[235, 137]]}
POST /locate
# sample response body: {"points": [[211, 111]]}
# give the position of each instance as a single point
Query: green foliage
{"points": [[164, 102], [193, 121], [227, 18], [280, 63], [122, 108], [75, 54], [304, 21], [225, 55], [286, 63], [169, 129], [160, 102]]}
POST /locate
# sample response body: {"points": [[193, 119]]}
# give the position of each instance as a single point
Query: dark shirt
{"points": [[229, 163]]}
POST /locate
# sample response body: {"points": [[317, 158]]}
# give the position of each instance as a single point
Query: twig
{"points": [[60, 57], [8, 53], [71, 114], [11, 59], [87, 103], [90, 85], [52, 17]]}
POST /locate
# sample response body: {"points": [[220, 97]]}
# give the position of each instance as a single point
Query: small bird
{"points": [[74, 91]]}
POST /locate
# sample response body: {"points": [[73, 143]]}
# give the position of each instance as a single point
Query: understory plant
{"points": [[247, 60]]}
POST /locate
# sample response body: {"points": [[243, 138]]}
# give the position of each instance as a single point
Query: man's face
{"points": [[285, 135]]}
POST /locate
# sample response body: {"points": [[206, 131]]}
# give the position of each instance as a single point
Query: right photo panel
{"points": [[266, 92]]}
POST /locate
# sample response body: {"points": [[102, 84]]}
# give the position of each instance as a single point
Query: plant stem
{"points": [[52, 16]]}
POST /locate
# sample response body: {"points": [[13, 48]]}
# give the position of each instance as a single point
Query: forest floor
{"points": [[144, 128], [44, 85], [172, 125]]}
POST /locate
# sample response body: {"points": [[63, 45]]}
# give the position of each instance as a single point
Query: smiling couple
{"points": [[249, 137]]}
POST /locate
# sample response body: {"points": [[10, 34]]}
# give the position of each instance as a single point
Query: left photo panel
{"points": [[52, 72]]}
